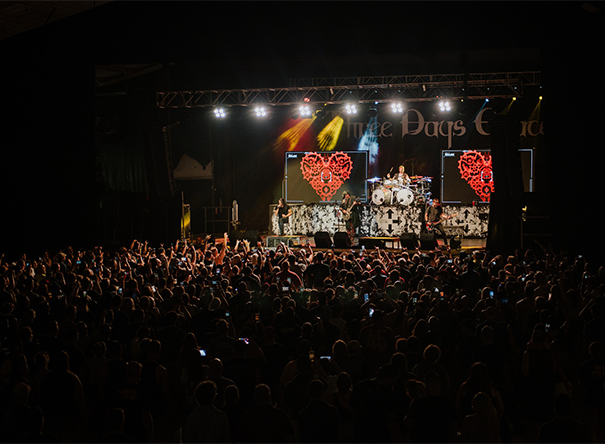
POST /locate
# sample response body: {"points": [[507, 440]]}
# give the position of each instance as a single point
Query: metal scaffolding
{"points": [[377, 89]]}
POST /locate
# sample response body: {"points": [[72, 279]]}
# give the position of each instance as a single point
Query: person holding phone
{"points": [[288, 276]]}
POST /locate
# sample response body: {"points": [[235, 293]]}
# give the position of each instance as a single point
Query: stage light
{"points": [[540, 98], [514, 98], [260, 111], [397, 107], [305, 111], [290, 138], [444, 105], [328, 137], [351, 108], [220, 113]]}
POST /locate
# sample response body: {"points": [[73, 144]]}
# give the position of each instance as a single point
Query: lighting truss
{"points": [[381, 89]]}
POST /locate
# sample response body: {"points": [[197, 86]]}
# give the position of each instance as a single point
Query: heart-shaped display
{"points": [[476, 169], [326, 174]]}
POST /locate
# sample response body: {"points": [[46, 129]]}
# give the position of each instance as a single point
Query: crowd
{"points": [[199, 342]]}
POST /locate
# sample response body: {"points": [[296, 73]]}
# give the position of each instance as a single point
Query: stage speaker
{"points": [[341, 240], [322, 240], [274, 241], [409, 241], [428, 241], [371, 243], [456, 242]]}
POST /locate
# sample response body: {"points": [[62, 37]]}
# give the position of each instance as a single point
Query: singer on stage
{"points": [[283, 212]]}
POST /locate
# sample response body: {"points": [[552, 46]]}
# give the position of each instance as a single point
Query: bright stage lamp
{"points": [[351, 109], [220, 113], [260, 111], [305, 111], [444, 106], [397, 107]]}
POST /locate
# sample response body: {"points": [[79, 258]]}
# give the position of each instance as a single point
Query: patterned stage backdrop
{"points": [[382, 220]]}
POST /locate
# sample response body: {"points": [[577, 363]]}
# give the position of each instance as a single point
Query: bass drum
{"points": [[405, 196], [380, 196]]}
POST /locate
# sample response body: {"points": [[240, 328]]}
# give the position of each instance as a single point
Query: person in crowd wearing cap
{"points": [[348, 208]]}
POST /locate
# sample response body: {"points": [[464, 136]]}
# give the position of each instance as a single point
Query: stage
{"points": [[391, 244], [389, 221]]}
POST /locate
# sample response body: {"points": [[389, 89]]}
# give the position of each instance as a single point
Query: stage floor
{"points": [[390, 243]]}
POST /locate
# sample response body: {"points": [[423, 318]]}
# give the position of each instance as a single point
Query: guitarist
{"points": [[434, 217], [348, 208]]}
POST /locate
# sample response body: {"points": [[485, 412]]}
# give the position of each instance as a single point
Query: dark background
{"points": [[55, 123]]}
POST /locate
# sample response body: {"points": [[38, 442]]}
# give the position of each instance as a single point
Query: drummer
{"points": [[401, 178]]}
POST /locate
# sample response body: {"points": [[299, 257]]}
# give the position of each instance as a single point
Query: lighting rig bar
{"points": [[341, 90]]}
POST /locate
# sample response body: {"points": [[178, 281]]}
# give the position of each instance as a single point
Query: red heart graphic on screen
{"points": [[326, 173], [476, 169]]}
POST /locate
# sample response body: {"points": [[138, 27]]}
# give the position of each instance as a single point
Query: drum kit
{"points": [[392, 191]]}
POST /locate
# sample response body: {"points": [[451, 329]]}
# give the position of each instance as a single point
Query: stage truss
{"points": [[340, 90]]}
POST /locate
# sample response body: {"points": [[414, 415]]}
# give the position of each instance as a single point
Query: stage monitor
{"points": [[322, 176], [466, 176]]}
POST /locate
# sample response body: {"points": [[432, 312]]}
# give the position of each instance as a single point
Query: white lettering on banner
{"points": [[376, 128], [405, 123], [526, 128], [386, 126], [479, 122], [413, 123], [432, 128], [357, 129]]}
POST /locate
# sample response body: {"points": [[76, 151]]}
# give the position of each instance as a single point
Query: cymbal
{"points": [[374, 179]]}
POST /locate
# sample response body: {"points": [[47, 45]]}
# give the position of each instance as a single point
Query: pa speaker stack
{"points": [[342, 240], [371, 243], [428, 241], [409, 241], [322, 240]]}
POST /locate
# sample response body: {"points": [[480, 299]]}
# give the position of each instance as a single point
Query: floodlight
{"points": [[260, 111], [397, 107], [220, 113], [351, 108], [444, 105], [305, 111]]}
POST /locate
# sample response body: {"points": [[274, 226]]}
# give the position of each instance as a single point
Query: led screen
{"points": [[314, 177], [466, 176]]}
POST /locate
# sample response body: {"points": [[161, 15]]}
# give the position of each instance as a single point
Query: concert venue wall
{"points": [[250, 155]]}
